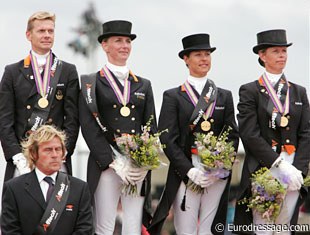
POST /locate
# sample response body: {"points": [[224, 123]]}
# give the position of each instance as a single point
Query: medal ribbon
{"points": [[122, 98], [42, 84], [283, 109], [189, 91]]}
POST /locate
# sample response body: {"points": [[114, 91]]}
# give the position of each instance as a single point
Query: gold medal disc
{"points": [[125, 111], [284, 121], [43, 103], [205, 126]]}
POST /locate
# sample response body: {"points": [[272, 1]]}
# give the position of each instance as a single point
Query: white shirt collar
{"points": [[273, 78], [121, 72], [41, 59], [41, 175], [197, 83]]}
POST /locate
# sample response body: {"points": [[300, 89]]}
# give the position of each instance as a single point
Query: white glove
{"points": [[136, 174], [287, 174], [196, 175], [208, 180], [121, 170], [21, 163]]}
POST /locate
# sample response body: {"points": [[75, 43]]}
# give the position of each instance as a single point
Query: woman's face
{"points": [[118, 49], [274, 58], [198, 63]]}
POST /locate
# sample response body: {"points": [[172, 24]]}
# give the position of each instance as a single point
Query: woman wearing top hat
{"points": [[194, 213], [274, 123], [114, 101]]}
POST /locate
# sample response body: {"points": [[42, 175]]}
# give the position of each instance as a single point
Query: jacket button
{"points": [[133, 119], [133, 131], [287, 141], [50, 120], [116, 119], [118, 130], [114, 106], [28, 106], [287, 128], [211, 120], [133, 106]]}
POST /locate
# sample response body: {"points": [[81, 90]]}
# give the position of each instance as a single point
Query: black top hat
{"points": [[196, 42], [116, 28], [271, 38]]}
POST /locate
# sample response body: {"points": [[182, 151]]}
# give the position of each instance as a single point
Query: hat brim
{"points": [[196, 48], [259, 47], [107, 35]]}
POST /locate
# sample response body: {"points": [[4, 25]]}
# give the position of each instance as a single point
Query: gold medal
{"points": [[125, 111], [205, 126], [284, 121], [43, 103]]}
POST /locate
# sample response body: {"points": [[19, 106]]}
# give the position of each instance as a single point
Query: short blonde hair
{"points": [[43, 134], [40, 15]]}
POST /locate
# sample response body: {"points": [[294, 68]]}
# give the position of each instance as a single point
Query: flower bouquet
{"points": [[214, 155], [140, 151], [267, 195]]}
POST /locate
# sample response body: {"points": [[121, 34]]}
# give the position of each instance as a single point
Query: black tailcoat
{"points": [[18, 94], [175, 114], [23, 205], [253, 124], [141, 106]]}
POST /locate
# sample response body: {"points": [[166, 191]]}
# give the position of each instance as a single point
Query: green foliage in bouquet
{"points": [[267, 195], [215, 151]]}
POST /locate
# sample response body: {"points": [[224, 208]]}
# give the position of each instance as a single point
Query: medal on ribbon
{"points": [[42, 84], [123, 98], [205, 125], [276, 96]]}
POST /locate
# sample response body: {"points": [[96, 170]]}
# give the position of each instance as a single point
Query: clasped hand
{"points": [[201, 178]]}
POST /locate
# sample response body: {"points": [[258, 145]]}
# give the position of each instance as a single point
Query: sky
{"points": [[160, 26]]}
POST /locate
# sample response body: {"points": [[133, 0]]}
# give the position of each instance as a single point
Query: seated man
{"points": [[46, 200]]}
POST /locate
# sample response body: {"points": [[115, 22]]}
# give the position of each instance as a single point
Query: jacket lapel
{"points": [[183, 94], [32, 186], [27, 73]]}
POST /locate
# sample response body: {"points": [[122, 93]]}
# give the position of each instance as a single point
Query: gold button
{"points": [[133, 119], [287, 128], [28, 106], [115, 106], [116, 119], [211, 120], [287, 140], [133, 131], [50, 120], [133, 106], [288, 116], [118, 130], [28, 120]]}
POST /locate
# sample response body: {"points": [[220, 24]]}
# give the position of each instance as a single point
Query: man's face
{"points": [[118, 49], [274, 59], [198, 62], [49, 157], [41, 36]]}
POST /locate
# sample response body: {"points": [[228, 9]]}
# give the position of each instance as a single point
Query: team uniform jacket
{"points": [[175, 114], [18, 94], [253, 123], [141, 106], [23, 205]]}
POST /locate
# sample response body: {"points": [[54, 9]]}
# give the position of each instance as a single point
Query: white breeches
{"points": [[107, 196], [200, 209]]}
